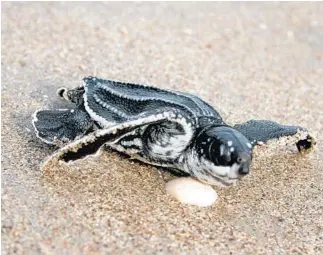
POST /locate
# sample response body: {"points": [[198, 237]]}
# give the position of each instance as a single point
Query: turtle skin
{"points": [[166, 128]]}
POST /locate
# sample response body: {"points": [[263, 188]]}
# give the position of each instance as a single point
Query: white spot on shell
{"points": [[72, 111], [249, 145], [191, 192], [232, 149], [230, 143]]}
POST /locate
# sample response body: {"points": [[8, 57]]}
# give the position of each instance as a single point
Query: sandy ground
{"points": [[249, 60]]}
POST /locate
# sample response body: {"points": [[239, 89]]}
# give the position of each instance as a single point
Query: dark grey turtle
{"points": [[165, 128]]}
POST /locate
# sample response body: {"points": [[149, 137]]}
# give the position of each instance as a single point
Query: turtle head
{"points": [[221, 154]]}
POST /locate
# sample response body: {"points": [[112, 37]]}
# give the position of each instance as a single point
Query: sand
{"points": [[248, 60]]}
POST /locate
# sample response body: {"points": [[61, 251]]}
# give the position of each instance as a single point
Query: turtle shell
{"points": [[110, 102]]}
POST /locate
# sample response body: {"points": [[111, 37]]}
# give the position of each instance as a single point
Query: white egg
{"points": [[192, 192]]}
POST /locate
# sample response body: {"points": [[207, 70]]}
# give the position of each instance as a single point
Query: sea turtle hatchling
{"points": [[165, 128]]}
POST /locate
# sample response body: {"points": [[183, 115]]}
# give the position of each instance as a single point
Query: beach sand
{"points": [[248, 60]]}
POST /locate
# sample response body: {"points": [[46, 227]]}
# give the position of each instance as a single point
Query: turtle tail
{"points": [[62, 126]]}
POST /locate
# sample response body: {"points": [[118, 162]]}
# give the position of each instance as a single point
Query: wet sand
{"points": [[248, 60]]}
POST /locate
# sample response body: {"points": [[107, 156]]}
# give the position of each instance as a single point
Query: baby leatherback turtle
{"points": [[165, 128]]}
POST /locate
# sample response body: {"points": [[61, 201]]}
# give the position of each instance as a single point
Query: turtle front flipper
{"points": [[92, 142], [261, 131], [60, 127]]}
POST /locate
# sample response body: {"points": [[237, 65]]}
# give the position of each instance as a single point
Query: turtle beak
{"points": [[244, 169]]}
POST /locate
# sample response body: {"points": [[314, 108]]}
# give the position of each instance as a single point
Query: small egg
{"points": [[191, 192]]}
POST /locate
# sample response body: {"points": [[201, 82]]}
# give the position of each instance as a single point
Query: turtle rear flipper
{"points": [[61, 126], [261, 131]]}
